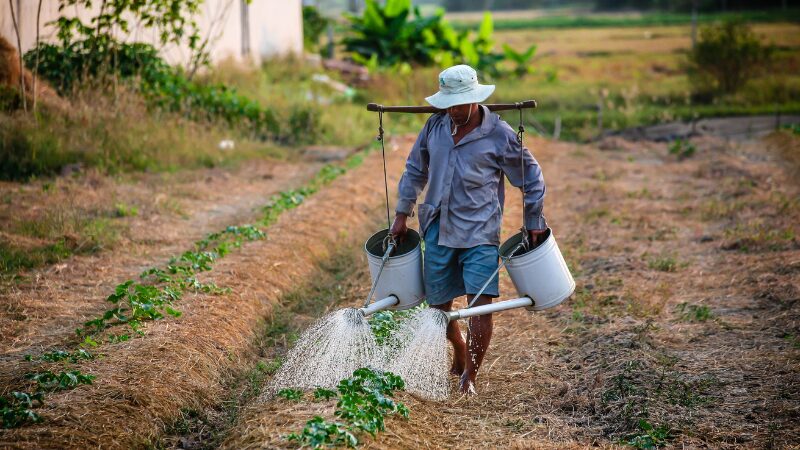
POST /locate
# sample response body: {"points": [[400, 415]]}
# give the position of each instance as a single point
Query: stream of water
{"points": [[342, 341]]}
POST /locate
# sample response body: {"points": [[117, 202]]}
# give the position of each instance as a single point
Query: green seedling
{"points": [[364, 401], [16, 409], [61, 355], [324, 394], [319, 433], [664, 263], [648, 436], [123, 210], [694, 313], [61, 381], [290, 394], [682, 149]]}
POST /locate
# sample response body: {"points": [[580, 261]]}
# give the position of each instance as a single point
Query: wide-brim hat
{"points": [[458, 85]]}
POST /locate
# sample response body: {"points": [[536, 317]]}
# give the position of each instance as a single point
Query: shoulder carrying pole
{"points": [[374, 107]]}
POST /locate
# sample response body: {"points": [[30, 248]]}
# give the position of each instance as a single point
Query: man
{"points": [[461, 155]]}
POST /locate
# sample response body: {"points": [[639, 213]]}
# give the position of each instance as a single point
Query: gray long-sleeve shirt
{"points": [[465, 181]]}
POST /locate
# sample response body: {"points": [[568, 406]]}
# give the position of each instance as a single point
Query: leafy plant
{"points": [[166, 88], [648, 436], [320, 433], [290, 394], [682, 149], [364, 401], [324, 394], [694, 313], [135, 302], [61, 355], [726, 56], [16, 409], [50, 381], [396, 33]]}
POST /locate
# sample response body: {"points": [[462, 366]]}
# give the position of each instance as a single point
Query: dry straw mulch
{"points": [[184, 363], [650, 239]]}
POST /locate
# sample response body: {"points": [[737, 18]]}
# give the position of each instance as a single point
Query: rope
{"points": [[520, 132], [385, 180]]}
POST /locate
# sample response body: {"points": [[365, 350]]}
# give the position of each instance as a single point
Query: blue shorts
{"points": [[453, 272]]}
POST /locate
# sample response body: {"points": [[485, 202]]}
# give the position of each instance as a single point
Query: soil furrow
{"points": [[184, 363]]}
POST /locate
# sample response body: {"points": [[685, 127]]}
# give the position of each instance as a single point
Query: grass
{"points": [[60, 233], [693, 313], [116, 135], [664, 263], [628, 20], [757, 236]]}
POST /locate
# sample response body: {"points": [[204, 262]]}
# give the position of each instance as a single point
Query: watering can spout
{"points": [[380, 305], [522, 302]]}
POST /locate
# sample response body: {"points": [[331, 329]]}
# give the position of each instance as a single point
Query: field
{"points": [[683, 330]]}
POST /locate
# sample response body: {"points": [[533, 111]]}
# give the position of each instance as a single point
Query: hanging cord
{"points": [[385, 180], [520, 132], [389, 244]]}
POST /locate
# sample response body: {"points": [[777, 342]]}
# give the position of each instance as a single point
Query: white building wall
{"points": [[275, 28]]}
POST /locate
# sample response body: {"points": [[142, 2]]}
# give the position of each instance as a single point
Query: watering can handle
{"points": [[386, 254], [374, 107]]}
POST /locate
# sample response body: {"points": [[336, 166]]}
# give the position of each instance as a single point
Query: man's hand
{"points": [[399, 228], [536, 237]]}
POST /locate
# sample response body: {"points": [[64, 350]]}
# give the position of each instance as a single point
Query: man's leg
{"points": [[455, 338], [479, 335], [443, 282]]}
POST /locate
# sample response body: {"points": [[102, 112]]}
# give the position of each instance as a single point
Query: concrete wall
{"points": [[275, 28]]}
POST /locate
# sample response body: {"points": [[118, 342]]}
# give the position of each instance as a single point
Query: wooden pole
{"points": [[374, 107]]}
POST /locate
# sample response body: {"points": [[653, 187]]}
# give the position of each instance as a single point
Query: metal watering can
{"points": [[396, 272], [539, 274]]}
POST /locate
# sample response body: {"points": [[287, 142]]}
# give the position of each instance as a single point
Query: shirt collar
{"points": [[487, 125]]}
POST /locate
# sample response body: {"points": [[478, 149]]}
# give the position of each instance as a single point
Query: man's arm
{"points": [[534, 189], [412, 182]]}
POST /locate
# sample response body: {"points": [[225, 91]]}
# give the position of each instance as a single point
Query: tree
{"points": [[726, 56], [22, 95]]}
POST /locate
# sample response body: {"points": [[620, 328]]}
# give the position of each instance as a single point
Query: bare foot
{"points": [[467, 385], [457, 369]]}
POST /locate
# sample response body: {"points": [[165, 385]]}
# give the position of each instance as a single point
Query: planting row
{"points": [[152, 297]]}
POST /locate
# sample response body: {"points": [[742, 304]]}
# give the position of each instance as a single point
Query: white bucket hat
{"points": [[458, 85]]}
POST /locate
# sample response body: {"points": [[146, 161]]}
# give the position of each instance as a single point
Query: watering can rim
{"points": [[512, 241], [394, 257]]}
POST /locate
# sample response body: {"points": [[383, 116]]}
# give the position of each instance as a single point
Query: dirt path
{"points": [[173, 212], [683, 330]]}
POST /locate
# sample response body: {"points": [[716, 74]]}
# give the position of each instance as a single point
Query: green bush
{"points": [[314, 25], [725, 57], [66, 66]]}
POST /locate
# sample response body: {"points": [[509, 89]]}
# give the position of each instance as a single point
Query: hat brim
{"points": [[444, 101]]}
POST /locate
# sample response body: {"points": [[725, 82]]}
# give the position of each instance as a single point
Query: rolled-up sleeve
{"points": [[534, 189], [415, 176]]}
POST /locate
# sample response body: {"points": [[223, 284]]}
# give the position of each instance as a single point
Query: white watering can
{"points": [[540, 275], [396, 272]]}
